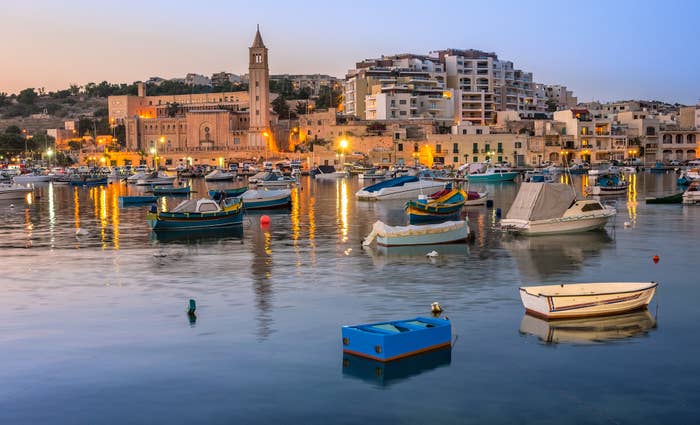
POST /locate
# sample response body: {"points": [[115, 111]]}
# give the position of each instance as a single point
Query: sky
{"points": [[602, 50]]}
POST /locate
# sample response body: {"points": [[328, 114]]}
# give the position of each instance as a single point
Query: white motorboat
{"points": [[549, 208], [692, 195], [373, 174], [11, 191], [219, 175], [265, 199], [574, 300], [31, 178], [426, 234], [140, 175], [327, 172], [404, 187], [158, 178], [273, 178]]}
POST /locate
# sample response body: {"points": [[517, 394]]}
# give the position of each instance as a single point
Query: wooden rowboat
{"points": [[574, 300]]}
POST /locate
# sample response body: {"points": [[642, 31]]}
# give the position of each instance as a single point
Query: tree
{"points": [[74, 89], [13, 129], [551, 105], [75, 145], [27, 96], [3, 98], [280, 107], [301, 108]]}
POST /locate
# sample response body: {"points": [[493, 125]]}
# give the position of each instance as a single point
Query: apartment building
{"points": [[560, 95], [311, 82], [197, 80], [591, 139]]}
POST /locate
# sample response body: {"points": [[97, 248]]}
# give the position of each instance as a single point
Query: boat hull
{"points": [[481, 200], [94, 182], [426, 236], [229, 193], [604, 190], [169, 191], [193, 221], [556, 226], [671, 199], [408, 190], [571, 301], [31, 179], [691, 199], [137, 200], [15, 193], [267, 202], [496, 177], [373, 342]]}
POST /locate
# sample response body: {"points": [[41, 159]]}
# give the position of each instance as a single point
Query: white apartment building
{"points": [[197, 80]]}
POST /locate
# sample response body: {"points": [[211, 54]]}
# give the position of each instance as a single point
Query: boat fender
{"points": [[12, 205], [656, 259], [627, 224]]}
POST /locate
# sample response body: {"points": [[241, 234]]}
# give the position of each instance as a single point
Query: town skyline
{"points": [[626, 61]]}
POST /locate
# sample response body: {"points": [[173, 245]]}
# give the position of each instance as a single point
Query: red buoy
{"points": [[656, 259], [264, 220]]}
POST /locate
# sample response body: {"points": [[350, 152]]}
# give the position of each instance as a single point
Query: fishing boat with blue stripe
{"points": [[89, 181], [398, 188], [227, 193], [607, 184], [494, 174], [439, 207], [388, 341], [198, 214]]}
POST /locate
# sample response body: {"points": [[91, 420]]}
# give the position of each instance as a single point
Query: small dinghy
{"points": [[428, 234]]}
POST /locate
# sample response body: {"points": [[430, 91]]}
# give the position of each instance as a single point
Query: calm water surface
{"points": [[93, 328]]}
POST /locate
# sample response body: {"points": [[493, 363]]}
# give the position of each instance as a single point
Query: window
{"points": [[455, 147], [257, 84], [402, 102], [257, 97], [591, 207], [455, 159], [464, 131], [475, 159], [487, 147], [257, 112], [475, 148], [402, 112], [479, 131], [236, 140], [500, 159], [400, 147], [500, 148], [518, 145], [397, 136], [438, 148]]}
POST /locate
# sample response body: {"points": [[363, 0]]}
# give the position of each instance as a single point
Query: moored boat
{"points": [[398, 188], [31, 178], [387, 341], [550, 208], [227, 193], [327, 172], [170, 190], [692, 195], [156, 178], [575, 300], [476, 198], [265, 199], [675, 198], [88, 181], [428, 234], [607, 184], [198, 214], [494, 174], [442, 206], [219, 175], [137, 200], [11, 191]]}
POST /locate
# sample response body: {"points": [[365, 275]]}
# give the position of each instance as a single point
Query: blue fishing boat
{"points": [[441, 202], [170, 190], [266, 199], [607, 184], [227, 193], [136, 200], [578, 169], [387, 341], [386, 374], [198, 214], [416, 216], [658, 168]]}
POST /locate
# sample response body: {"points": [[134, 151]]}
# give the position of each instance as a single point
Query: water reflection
{"points": [[383, 255], [589, 330], [540, 257], [386, 374], [194, 237], [261, 272]]}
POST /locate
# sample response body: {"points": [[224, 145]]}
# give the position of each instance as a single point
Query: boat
{"points": [[578, 169], [273, 178], [688, 175], [628, 170], [137, 176], [591, 330], [388, 341], [692, 195], [675, 198], [388, 373], [10, 191], [476, 198], [539, 176], [658, 168], [604, 168], [89, 181], [398, 188], [31, 178], [607, 184], [170, 190], [373, 174], [137, 200], [198, 214], [493, 174], [219, 175], [576, 300], [442, 206], [227, 193], [266, 199], [327, 172], [551, 208], [156, 178], [428, 234]]}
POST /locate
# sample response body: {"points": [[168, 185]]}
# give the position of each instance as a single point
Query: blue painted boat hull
{"points": [[386, 374], [170, 191], [414, 336], [500, 177], [137, 200], [184, 221], [230, 193], [423, 218], [268, 204], [95, 182]]}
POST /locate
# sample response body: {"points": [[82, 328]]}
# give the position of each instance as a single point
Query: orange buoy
{"points": [[265, 220], [656, 259]]}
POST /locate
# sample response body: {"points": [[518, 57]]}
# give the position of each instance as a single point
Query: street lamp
{"points": [[154, 152], [49, 152]]}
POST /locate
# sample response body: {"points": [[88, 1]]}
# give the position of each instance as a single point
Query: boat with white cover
{"points": [[427, 234], [219, 175], [31, 178], [404, 187], [11, 191], [159, 178], [551, 208], [692, 195], [137, 176], [573, 300], [327, 172]]}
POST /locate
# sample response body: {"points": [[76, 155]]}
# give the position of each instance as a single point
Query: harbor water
{"points": [[94, 329]]}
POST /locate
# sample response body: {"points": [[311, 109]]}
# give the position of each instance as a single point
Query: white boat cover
{"points": [[383, 230], [541, 201]]}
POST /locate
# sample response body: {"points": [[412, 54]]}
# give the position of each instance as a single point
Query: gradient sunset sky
{"points": [[603, 50]]}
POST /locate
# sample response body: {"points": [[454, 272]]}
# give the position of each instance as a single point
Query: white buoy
{"points": [[436, 307], [627, 224], [432, 254], [81, 232]]}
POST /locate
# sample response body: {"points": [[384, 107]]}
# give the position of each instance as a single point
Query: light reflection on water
{"points": [[94, 326]]}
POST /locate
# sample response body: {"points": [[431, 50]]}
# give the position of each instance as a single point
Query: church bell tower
{"points": [[259, 134]]}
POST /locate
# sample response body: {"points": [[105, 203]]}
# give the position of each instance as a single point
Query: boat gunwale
{"points": [[652, 285]]}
